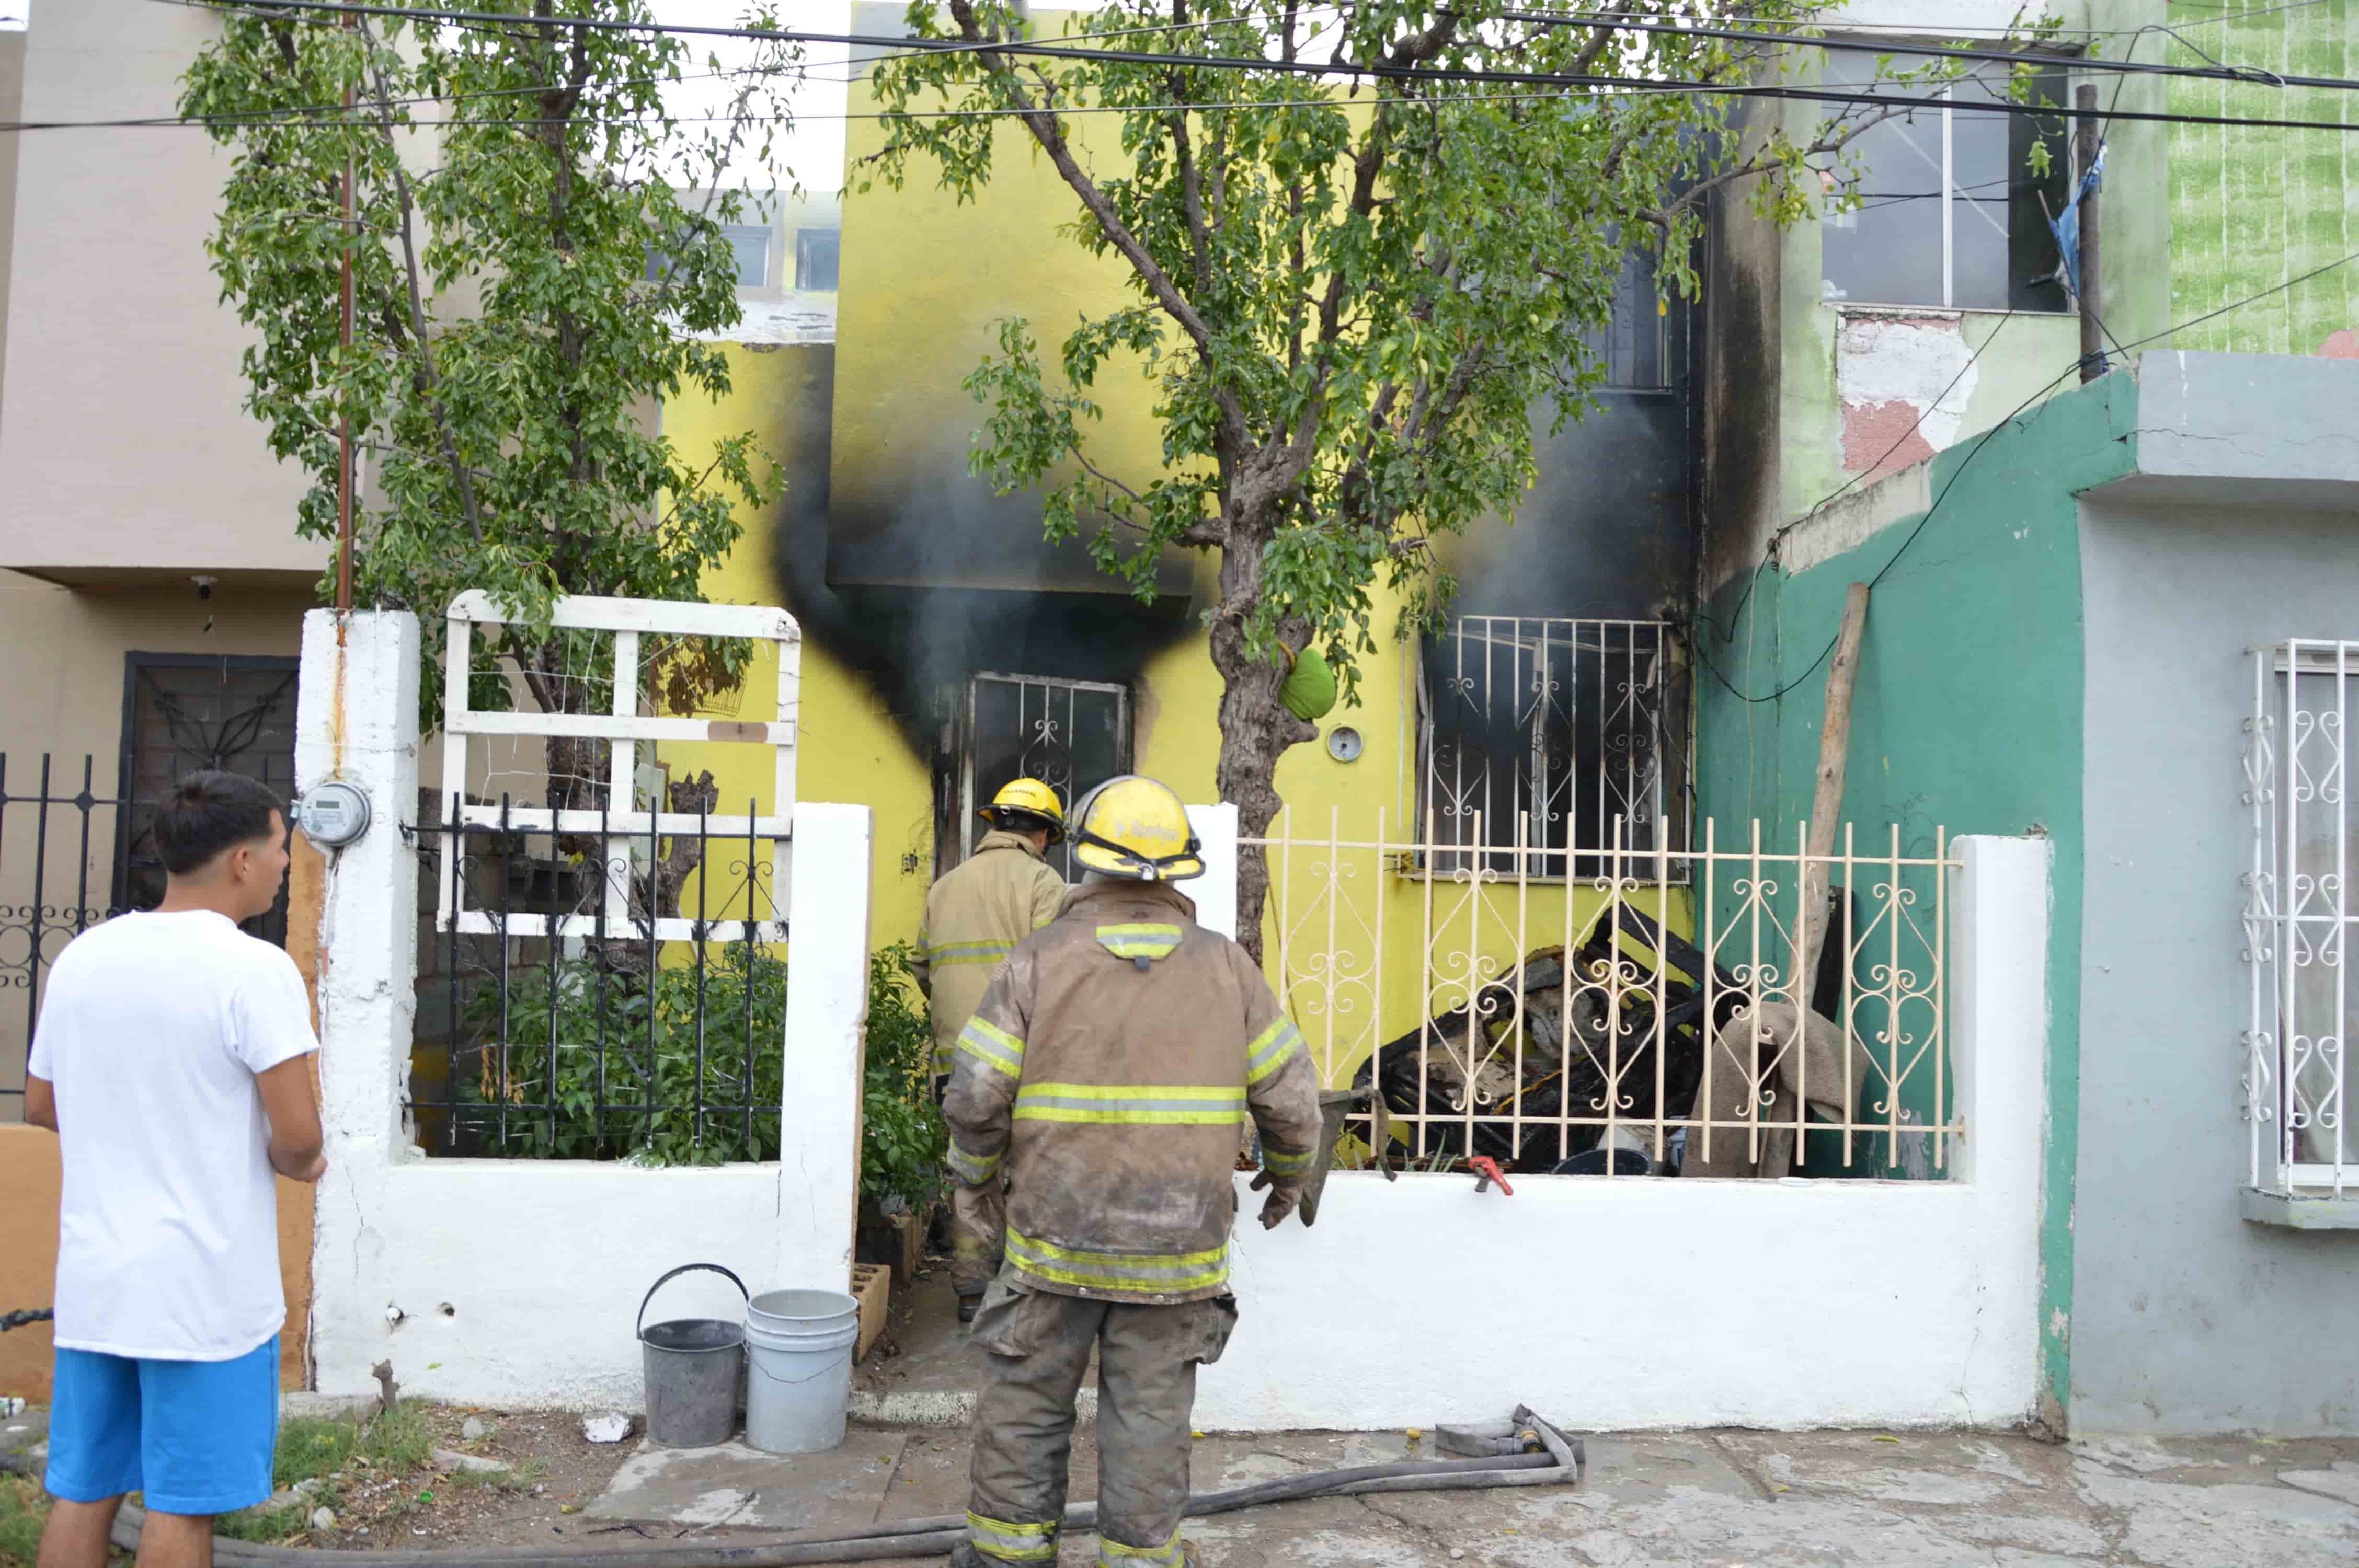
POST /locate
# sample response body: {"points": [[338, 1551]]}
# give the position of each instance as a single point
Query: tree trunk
{"points": [[1255, 730]]}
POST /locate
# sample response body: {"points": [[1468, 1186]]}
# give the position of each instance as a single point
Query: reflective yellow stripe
{"points": [[974, 1169], [1005, 1541], [1270, 1049], [1168, 1104], [950, 954], [1139, 940], [1167, 1556], [945, 1059], [1282, 1165], [992, 1047], [1137, 1273]]}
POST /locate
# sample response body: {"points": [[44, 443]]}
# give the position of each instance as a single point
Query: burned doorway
{"points": [[1072, 735], [187, 712]]}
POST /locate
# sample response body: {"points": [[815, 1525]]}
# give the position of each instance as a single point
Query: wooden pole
{"points": [[345, 421], [2086, 143], [1826, 803]]}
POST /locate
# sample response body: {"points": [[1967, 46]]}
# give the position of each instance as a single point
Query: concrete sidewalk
{"points": [[1736, 1499]]}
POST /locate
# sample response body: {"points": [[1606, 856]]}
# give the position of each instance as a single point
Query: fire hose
{"points": [[1559, 1465]]}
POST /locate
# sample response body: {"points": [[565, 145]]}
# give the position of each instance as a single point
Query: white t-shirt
{"points": [[152, 1028]]}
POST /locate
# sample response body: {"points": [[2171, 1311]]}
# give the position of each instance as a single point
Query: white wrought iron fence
{"points": [[1643, 1020], [2298, 915]]}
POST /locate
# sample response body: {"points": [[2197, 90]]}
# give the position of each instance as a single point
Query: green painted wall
{"points": [[1967, 710], [2253, 209]]}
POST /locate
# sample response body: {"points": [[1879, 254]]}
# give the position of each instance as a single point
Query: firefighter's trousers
{"points": [[1038, 1347]]}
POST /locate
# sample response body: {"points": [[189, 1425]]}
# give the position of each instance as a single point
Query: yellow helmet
{"points": [[1135, 827], [1026, 805]]}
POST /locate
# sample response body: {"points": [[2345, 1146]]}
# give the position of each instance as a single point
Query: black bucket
{"points": [[695, 1366]]}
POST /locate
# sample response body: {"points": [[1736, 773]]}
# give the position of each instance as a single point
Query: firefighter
{"points": [[1105, 1075], [974, 917]]}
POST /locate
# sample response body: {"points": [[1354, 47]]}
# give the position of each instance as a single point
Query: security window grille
{"points": [[1949, 212], [1547, 734], [2299, 911], [816, 254], [1072, 735], [185, 713]]}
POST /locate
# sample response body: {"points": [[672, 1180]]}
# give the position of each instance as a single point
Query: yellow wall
{"points": [[925, 283], [848, 747]]}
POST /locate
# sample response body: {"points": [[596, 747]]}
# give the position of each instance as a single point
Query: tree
{"points": [[526, 283], [1348, 290]]}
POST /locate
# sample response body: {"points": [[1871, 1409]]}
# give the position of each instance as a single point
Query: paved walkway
{"points": [[1738, 1499]]}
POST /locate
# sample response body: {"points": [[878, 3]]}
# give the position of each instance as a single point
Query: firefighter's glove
{"points": [[1284, 1197]]}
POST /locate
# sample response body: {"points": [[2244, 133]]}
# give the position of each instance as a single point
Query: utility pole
{"points": [[2085, 143]]}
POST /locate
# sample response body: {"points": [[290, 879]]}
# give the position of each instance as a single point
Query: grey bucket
{"points": [[694, 1366], [799, 1368]]}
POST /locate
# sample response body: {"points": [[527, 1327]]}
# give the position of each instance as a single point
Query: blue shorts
{"points": [[197, 1436]]}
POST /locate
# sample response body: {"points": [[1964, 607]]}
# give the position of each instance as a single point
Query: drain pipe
{"points": [[931, 1536]]}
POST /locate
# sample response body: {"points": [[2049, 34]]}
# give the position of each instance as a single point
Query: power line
{"points": [[2083, 63], [1975, 451], [1633, 86]]}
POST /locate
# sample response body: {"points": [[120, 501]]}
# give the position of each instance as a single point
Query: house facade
{"points": [[1615, 734], [2113, 623]]}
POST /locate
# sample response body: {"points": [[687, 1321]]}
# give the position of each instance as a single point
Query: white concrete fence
{"points": [[514, 1281], [1605, 1304]]}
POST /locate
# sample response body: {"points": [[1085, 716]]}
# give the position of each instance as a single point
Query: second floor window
{"points": [[1949, 212]]}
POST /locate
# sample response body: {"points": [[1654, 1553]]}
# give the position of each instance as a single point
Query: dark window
{"points": [[183, 713], [752, 243], [1544, 734], [1950, 210], [1635, 345], [816, 251]]}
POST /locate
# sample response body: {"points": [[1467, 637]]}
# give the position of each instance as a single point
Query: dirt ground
{"points": [[554, 1473]]}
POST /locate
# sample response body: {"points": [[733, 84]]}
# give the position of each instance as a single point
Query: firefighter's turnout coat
{"points": [[974, 917], [1107, 1072]]}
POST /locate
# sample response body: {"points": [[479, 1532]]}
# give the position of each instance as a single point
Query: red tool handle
{"points": [[1487, 1170]]}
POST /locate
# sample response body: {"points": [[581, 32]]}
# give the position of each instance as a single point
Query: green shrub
{"points": [[903, 1141], [654, 1056]]}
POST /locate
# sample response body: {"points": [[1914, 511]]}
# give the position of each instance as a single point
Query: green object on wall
{"points": [[1309, 689]]}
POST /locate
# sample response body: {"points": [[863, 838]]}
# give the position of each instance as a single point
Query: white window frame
{"points": [[625, 727], [2298, 917]]}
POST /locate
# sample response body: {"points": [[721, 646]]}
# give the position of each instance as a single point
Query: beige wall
{"points": [[65, 647], [123, 446], [12, 108], [65, 650]]}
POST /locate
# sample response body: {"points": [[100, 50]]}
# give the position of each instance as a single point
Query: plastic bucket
{"points": [[694, 1368], [799, 1368]]}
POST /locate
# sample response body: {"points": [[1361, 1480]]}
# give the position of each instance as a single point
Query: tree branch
{"points": [[1043, 124], [422, 367]]}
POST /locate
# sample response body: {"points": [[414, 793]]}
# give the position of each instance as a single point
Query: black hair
{"points": [[207, 813]]}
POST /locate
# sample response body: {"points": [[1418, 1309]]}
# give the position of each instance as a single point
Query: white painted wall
{"points": [[1664, 1304], [516, 1281]]}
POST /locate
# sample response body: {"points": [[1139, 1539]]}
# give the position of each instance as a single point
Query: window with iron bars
{"points": [[1072, 735], [1547, 734], [2298, 917]]}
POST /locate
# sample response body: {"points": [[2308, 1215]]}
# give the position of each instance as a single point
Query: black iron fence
{"points": [[58, 856], [587, 991]]}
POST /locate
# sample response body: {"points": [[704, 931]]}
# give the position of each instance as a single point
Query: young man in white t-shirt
{"points": [[170, 1060]]}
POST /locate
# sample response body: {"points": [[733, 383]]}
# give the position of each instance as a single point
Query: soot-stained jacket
{"points": [[1107, 1071]]}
